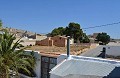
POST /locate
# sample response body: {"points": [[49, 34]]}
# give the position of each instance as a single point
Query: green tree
{"points": [[74, 31], [0, 23], [85, 39], [103, 37], [12, 60], [58, 31]]}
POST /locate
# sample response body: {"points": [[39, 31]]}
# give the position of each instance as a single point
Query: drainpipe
{"points": [[68, 46]]}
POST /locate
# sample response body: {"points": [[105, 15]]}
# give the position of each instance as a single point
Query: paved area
{"points": [[93, 52]]}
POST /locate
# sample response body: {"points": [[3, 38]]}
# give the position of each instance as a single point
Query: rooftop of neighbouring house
{"points": [[87, 66]]}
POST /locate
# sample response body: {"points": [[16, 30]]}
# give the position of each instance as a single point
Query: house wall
{"points": [[45, 42], [75, 76], [59, 41], [50, 43], [38, 65], [71, 41], [56, 41], [95, 35], [54, 76], [32, 36], [113, 50], [41, 37], [27, 43], [38, 62]]}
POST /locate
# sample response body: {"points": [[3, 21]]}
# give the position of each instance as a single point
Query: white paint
{"points": [[113, 50], [38, 65], [62, 58], [71, 41], [38, 62], [55, 76]]}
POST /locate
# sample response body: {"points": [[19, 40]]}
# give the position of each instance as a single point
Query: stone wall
{"points": [[53, 41]]}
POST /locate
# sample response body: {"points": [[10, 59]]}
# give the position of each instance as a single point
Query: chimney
{"points": [[68, 46], [104, 52]]}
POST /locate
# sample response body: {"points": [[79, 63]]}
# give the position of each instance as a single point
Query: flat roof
{"points": [[87, 66]]}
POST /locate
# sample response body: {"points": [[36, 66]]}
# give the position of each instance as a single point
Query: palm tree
{"points": [[12, 60]]}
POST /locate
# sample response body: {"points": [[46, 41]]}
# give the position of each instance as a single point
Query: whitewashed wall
{"points": [[54, 76], [71, 41], [113, 50], [38, 63]]}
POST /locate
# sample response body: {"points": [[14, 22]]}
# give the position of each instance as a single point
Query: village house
{"points": [[58, 41], [93, 37], [55, 65], [44, 63]]}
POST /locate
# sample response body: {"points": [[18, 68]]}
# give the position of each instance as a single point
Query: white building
{"points": [[77, 66], [113, 49], [44, 63]]}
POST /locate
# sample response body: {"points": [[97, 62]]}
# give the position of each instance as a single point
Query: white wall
{"points": [[38, 62], [113, 50], [71, 41], [54, 76], [38, 65]]}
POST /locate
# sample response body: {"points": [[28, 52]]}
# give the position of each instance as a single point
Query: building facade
{"points": [[58, 41]]}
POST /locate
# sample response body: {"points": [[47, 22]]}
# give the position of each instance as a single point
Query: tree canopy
{"points": [[0, 23], [58, 31], [85, 38], [73, 30], [103, 37]]}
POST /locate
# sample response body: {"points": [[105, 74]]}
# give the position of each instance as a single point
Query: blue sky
{"points": [[42, 16]]}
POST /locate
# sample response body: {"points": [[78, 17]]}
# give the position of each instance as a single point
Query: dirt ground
{"points": [[60, 50]]}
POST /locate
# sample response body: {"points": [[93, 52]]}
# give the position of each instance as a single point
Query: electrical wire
{"points": [[101, 25]]}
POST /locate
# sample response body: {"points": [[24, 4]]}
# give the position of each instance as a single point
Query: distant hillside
{"points": [[20, 33]]}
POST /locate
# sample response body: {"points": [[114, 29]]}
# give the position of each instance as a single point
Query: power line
{"points": [[102, 25]]}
